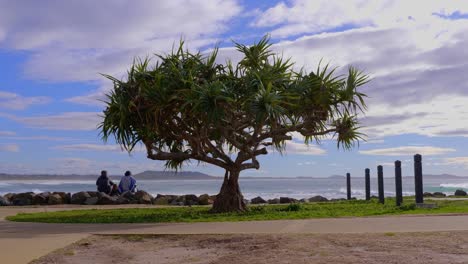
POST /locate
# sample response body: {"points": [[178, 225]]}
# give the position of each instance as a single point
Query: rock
{"points": [[304, 200], [130, 196], [91, 201], [56, 198], [161, 200], [66, 197], [428, 194], [9, 196], [258, 200], [204, 199], [190, 199], [274, 201], [4, 201], [106, 199], [285, 200], [143, 197], [40, 199], [80, 197], [318, 198], [460, 193], [173, 202], [45, 194], [20, 199], [439, 194], [93, 194], [122, 200]]}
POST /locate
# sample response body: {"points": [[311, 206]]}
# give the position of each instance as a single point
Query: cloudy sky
{"points": [[51, 54]]}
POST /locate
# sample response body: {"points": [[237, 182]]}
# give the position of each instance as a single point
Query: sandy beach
{"points": [[440, 247]]}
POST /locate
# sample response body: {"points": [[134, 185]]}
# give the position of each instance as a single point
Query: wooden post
{"points": [[381, 184], [398, 184], [348, 186], [418, 180], [367, 184]]}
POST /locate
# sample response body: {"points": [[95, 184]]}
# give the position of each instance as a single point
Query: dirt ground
{"points": [[441, 247]]}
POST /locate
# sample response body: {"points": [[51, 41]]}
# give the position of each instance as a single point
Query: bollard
{"points": [[367, 184], [398, 184], [418, 179], [381, 184], [348, 186]]}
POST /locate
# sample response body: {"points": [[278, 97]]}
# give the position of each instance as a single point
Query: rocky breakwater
{"points": [[99, 198]]}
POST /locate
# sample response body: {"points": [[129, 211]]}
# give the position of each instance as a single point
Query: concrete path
{"points": [[22, 242]]}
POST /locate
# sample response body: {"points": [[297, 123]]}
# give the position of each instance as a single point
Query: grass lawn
{"points": [[263, 212]]}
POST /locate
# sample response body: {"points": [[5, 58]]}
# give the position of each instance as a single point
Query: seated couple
{"points": [[105, 185]]}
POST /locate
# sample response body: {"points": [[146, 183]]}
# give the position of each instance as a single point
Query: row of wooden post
{"points": [[418, 182]]}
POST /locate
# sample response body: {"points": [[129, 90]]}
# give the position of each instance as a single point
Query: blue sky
{"points": [[51, 54]]}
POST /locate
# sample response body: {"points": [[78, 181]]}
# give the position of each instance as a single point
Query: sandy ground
{"points": [[440, 247]]}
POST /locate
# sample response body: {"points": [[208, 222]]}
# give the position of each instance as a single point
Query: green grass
{"points": [[267, 212]]}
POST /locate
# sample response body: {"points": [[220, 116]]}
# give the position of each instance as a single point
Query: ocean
{"points": [[266, 188]]}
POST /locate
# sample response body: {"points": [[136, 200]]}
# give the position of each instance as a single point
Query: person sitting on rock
{"points": [[127, 183], [104, 184]]}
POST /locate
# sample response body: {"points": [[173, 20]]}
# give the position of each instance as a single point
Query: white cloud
{"points": [[455, 161], [9, 148], [298, 148], [438, 116], [303, 16], [89, 147], [63, 121], [17, 102], [76, 41], [96, 147], [408, 150], [7, 133]]}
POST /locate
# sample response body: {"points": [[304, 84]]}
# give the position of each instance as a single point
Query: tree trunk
{"points": [[230, 198]]}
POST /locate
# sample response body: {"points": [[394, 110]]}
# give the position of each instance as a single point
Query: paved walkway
{"points": [[23, 242]]}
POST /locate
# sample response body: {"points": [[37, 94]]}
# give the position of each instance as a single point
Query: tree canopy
{"points": [[187, 106]]}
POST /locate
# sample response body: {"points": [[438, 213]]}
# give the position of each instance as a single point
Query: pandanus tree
{"points": [[187, 107]]}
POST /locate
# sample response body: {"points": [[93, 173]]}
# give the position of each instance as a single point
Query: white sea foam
{"points": [[454, 185]]}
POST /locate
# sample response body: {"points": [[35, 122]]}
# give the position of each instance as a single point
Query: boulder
{"points": [[22, 198], [122, 200], [428, 194], [91, 201], [318, 198], [106, 199], [258, 200], [9, 196], [93, 194], [274, 201], [80, 197], [204, 199], [4, 201], [460, 193], [45, 194], [130, 196], [286, 200], [439, 194], [40, 199], [66, 197], [56, 198], [190, 199], [304, 200], [162, 200], [143, 197]]}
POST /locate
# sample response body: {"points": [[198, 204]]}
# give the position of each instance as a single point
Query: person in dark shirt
{"points": [[104, 184]]}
